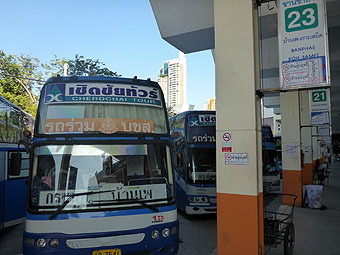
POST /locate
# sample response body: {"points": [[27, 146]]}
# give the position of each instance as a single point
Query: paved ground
{"points": [[198, 234], [317, 232], [11, 240]]}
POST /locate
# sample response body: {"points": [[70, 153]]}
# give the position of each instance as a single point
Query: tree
{"points": [[54, 67], [78, 66], [81, 66], [20, 75]]}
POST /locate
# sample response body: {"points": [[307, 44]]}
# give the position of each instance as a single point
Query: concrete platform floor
{"points": [[317, 232]]}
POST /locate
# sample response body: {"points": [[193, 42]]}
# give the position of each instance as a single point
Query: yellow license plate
{"points": [[107, 252]]}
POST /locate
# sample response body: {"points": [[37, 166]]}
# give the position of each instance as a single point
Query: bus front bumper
{"points": [[200, 209], [138, 241]]}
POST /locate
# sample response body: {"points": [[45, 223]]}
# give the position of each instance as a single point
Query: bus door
{"points": [[16, 190], [2, 189], [181, 175]]}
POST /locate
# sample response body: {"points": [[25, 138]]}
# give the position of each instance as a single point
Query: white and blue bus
{"points": [[270, 162], [193, 134], [13, 184], [101, 177]]}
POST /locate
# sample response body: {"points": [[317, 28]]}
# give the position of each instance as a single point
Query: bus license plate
{"points": [[107, 252]]}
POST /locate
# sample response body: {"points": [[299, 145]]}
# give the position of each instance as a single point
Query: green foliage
{"points": [[82, 66], [54, 67], [19, 77], [77, 66]]}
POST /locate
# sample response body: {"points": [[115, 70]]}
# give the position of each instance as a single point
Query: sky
{"points": [[123, 34]]}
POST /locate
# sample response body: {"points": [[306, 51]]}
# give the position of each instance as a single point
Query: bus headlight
{"points": [[204, 199], [41, 243], [155, 234], [29, 242], [191, 199], [54, 242], [165, 232]]}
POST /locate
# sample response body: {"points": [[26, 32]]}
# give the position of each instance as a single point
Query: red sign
{"points": [[226, 149]]}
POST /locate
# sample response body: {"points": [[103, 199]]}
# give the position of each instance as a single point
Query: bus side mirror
{"points": [[15, 164], [27, 140]]}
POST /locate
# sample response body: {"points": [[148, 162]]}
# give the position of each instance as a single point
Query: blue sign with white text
{"points": [[102, 93], [199, 120]]}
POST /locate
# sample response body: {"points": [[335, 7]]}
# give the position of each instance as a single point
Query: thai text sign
{"points": [[142, 192], [203, 135], [102, 93], [236, 158], [203, 176], [103, 125], [303, 44]]}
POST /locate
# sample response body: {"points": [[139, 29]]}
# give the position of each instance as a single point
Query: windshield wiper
{"points": [[69, 199]]}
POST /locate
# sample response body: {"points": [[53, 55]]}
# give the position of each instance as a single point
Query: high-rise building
{"points": [[172, 79], [210, 105]]}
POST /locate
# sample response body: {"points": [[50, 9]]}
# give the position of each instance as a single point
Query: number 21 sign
{"points": [[320, 107]]}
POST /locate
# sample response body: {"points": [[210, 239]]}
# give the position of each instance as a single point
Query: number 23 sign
{"points": [[301, 17], [303, 43]]}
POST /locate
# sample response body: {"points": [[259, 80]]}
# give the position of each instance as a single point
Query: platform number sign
{"points": [[320, 107], [301, 18], [319, 96], [303, 44]]}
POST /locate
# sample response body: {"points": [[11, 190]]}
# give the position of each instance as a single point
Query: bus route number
{"points": [[301, 17], [157, 219]]}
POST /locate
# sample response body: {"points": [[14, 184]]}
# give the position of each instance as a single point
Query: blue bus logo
{"points": [[55, 93]]}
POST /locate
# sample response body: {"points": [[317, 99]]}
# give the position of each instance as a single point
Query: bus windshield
{"points": [[129, 172], [121, 109], [202, 165]]}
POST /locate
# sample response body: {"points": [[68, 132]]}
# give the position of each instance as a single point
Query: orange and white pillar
{"points": [[291, 146], [307, 149], [238, 130], [306, 138]]}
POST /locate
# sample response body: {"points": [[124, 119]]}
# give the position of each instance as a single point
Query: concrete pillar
{"points": [[239, 186], [316, 150], [323, 150], [306, 138], [291, 146], [307, 148]]}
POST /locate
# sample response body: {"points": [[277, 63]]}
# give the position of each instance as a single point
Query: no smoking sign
{"points": [[226, 142]]}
